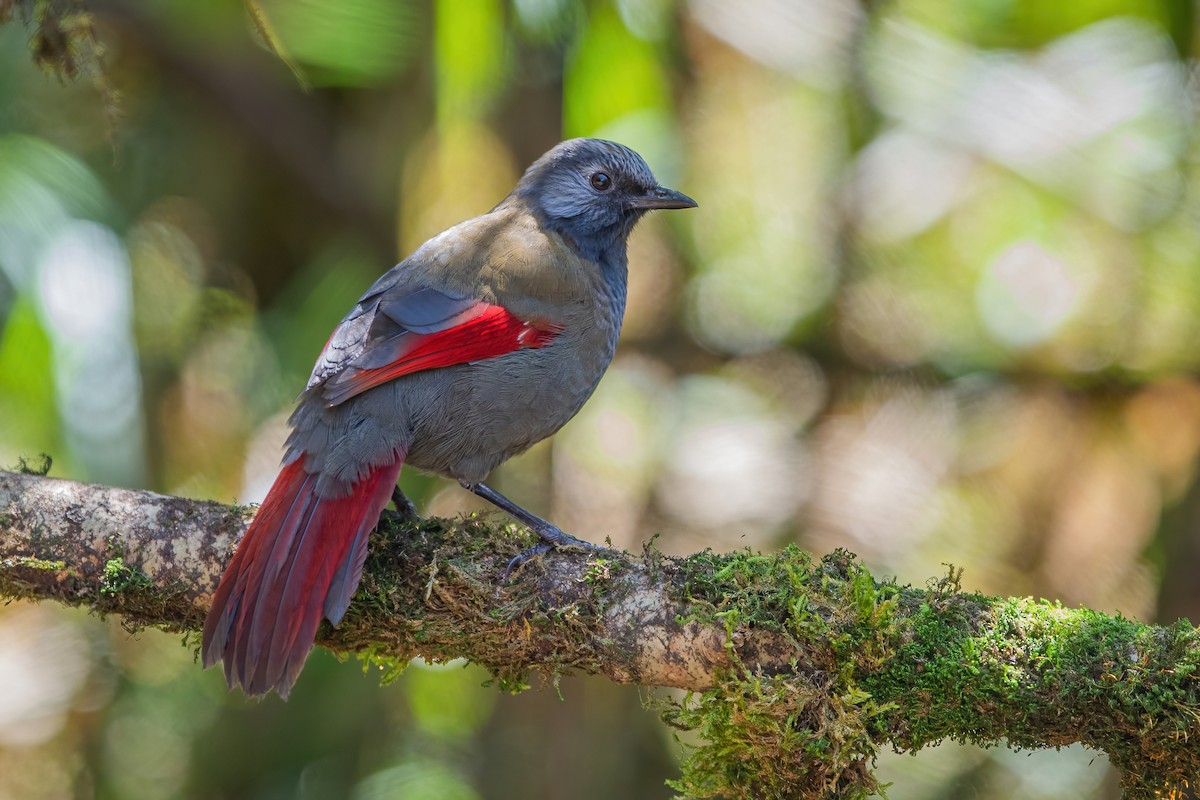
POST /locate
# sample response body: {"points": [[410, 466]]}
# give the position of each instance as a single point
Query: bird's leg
{"points": [[405, 509], [551, 535]]}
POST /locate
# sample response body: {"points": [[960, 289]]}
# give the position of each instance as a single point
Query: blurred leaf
{"points": [[28, 416], [269, 35], [611, 74], [28, 160], [469, 57], [458, 171], [1021, 23], [345, 43], [416, 780], [546, 19], [448, 703]]}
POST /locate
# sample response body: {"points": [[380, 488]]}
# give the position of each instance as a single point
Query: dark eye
{"points": [[601, 182]]}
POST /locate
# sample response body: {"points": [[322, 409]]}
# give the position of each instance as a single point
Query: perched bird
{"points": [[484, 341]]}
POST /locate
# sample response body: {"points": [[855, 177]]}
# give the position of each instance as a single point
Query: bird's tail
{"points": [[301, 560]]}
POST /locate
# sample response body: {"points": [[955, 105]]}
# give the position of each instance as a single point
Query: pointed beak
{"points": [[659, 197]]}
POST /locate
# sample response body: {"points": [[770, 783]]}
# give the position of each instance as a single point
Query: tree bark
{"points": [[798, 669]]}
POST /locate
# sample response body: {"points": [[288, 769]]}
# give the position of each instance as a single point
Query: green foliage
{"points": [[351, 43], [27, 414], [613, 73], [469, 52]]}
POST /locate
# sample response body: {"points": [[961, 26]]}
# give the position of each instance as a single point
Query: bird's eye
{"points": [[601, 182]]}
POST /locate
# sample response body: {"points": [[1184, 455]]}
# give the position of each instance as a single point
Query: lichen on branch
{"points": [[798, 669]]}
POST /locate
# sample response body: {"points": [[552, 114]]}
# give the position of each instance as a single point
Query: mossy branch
{"points": [[798, 670]]}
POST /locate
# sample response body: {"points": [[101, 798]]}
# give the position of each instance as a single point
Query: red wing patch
{"points": [[493, 333]]}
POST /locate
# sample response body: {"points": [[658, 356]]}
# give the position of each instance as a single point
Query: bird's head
{"points": [[593, 192]]}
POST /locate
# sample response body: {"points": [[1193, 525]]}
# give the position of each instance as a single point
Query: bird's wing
{"points": [[396, 330]]}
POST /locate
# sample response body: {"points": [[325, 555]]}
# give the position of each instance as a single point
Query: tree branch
{"points": [[799, 670]]}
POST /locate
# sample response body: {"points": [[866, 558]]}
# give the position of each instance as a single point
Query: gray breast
{"points": [[470, 418]]}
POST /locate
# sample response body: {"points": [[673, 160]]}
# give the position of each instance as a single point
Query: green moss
{"points": [[877, 663], [20, 578], [813, 731], [118, 578], [127, 590], [387, 664], [29, 562], [38, 465], [599, 571], [513, 683], [459, 573]]}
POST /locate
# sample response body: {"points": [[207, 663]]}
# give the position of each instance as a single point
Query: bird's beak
{"points": [[659, 197]]}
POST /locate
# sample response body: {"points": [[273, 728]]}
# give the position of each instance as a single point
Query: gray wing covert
{"points": [[373, 334]]}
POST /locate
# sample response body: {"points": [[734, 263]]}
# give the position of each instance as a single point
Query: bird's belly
{"points": [[479, 415]]}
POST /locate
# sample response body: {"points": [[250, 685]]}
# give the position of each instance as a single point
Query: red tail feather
{"points": [[300, 560]]}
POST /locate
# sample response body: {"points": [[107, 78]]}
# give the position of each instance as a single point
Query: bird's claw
{"points": [[561, 540], [526, 555], [552, 538]]}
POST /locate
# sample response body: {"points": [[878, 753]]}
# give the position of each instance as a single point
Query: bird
{"points": [[487, 339]]}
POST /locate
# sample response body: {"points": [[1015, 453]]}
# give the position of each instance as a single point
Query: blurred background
{"points": [[940, 303]]}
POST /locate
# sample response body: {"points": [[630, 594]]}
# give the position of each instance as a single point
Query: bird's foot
{"points": [[523, 557], [558, 539], [552, 538], [405, 510]]}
